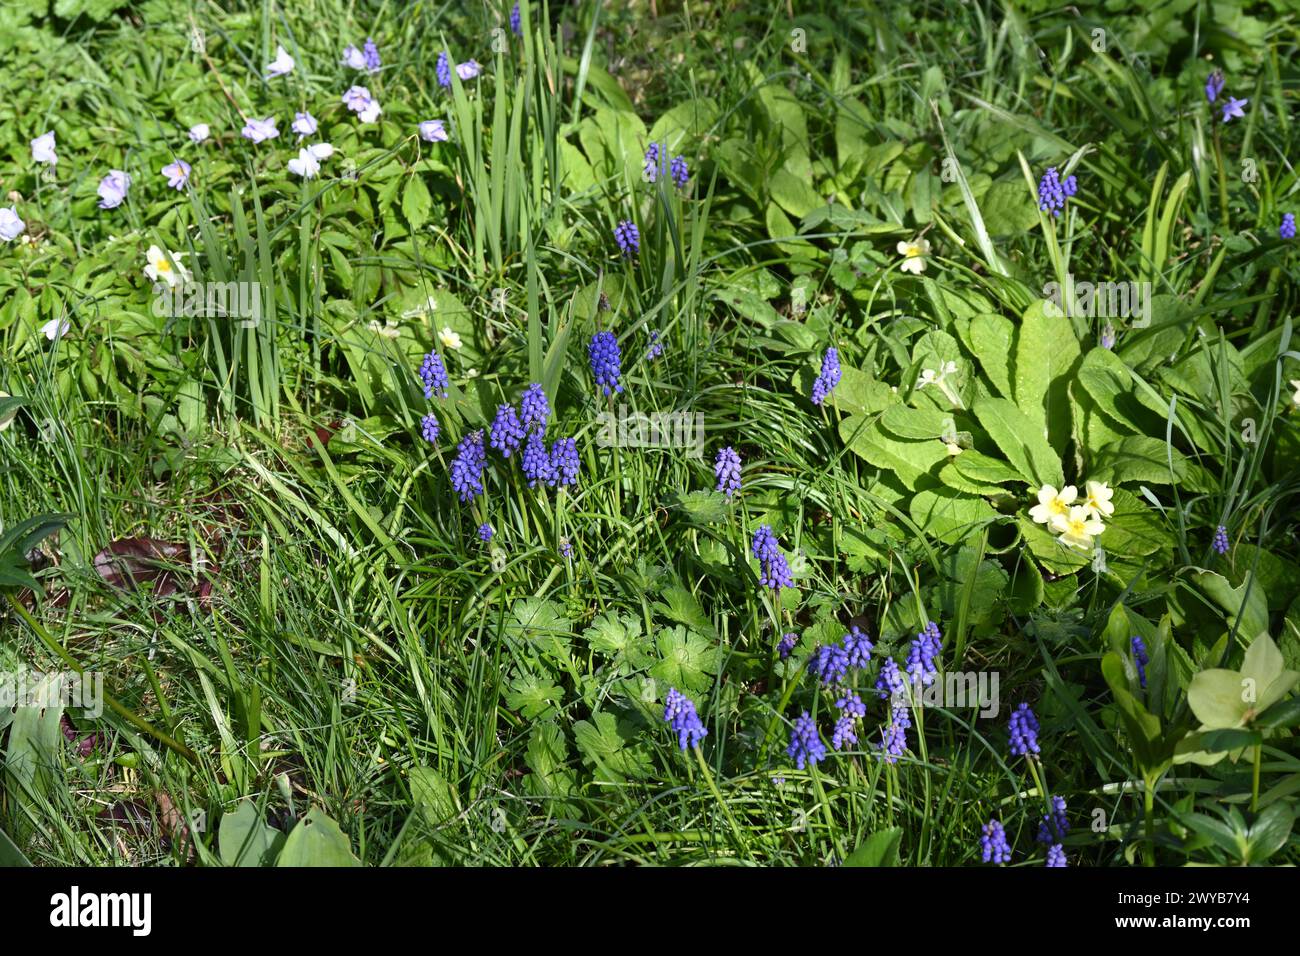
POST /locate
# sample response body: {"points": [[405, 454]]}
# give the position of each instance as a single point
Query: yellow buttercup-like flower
{"points": [[1052, 503], [1077, 528]]}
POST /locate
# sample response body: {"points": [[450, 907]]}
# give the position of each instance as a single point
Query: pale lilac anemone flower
{"points": [[177, 173], [112, 189], [260, 130]]}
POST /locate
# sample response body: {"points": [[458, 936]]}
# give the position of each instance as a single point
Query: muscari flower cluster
{"points": [[1220, 542], [1053, 191], [1287, 229], [786, 645], [628, 238], [726, 467], [828, 378], [1074, 524], [679, 713], [656, 157], [806, 745], [468, 466], [604, 357], [774, 570], [1024, 731], [993, 843], [526, 427]]}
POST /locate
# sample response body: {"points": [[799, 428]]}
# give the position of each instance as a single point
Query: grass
{"points": [[448, 701]]}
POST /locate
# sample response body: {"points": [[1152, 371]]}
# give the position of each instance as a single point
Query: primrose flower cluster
{"points": [[1075, 522]]}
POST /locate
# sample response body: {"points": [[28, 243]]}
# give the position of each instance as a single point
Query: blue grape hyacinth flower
{"points": [[889, 682], [1055, 856], [993, 843], [829, 376], [628, 238], [434, 376], [485, 532], [604, 356], [1221, 539], [806, 746], [1055, 824], [858, 647], [515, 20], [681, 173], [443, 69], [774, 570], [787, 644], [726, 467], [653, 163], [1287, 229], [507, 432], [1024, 731], [679, 713], [829, 664], [467, 467], [429, 428], [564, 462], [924, 652], [1053, 191], [534, 408], [536, 462], [893, 736]]}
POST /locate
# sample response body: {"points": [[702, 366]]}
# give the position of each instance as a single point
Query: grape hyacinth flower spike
{"points": [[1053, 191], [726, 467], [1287, 229], [434, 376], [1024, 732], [507, 433], [774, 570], [628, 238], [679, 713], [468, 465], [993, 843], [829, 377], [604, 356], [534, 408], [806, 746]]}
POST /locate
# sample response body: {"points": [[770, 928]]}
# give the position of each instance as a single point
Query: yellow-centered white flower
{"points": [[1053, 503], [163, 269], [1077, 528], [914, 254], [449, 338], [1097, 500]]}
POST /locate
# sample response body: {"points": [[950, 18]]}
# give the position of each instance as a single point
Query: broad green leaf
{"points": [[1021, 440], [245, 839], [317, 841], [1046, 351], [879, 849], [905, 460], [950, 515], [991, 338]]}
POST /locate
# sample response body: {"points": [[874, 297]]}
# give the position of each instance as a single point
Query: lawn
{"points": [[678, 433]]}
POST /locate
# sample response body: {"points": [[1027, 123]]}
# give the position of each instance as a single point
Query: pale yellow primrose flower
{"points": [[1053, 503], [449, 338], [1098, 499], [1077, 528], [914, 254], [160, 269]]}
